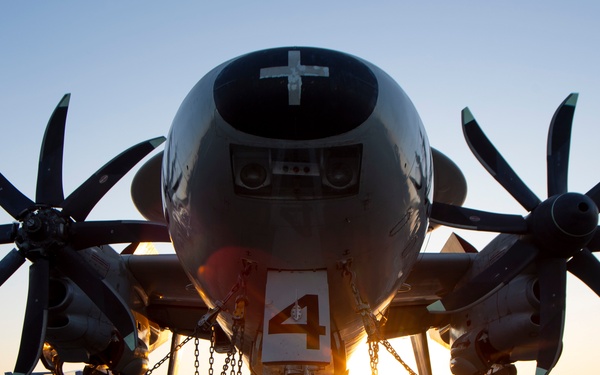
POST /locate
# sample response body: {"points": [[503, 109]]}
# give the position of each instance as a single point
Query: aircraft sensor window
{"points": [[296, 173]]}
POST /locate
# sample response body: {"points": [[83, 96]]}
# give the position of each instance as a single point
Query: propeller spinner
{"points": [[558, 235], [52, 229]]}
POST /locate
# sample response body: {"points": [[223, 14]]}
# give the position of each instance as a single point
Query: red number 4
{"points": [[311, 328]]}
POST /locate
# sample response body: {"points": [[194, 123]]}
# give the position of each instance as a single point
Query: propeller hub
{"points": [[565, 223], [574, 214], [33, 225], [42, 228]]}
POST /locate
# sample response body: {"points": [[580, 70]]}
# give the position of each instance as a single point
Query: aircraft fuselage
{"points": [[297, 160]]}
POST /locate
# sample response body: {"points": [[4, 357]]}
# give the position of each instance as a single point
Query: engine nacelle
{"points": [[79, 332], [77, 329], [500, 330], [518, 324]]}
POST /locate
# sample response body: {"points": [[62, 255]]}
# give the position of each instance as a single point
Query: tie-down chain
{"points": [[370, 323], [208, 321]]}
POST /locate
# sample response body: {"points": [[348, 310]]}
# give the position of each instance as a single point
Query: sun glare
{"points": [[359, 363]]}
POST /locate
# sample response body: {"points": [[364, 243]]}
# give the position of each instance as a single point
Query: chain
{"points": [[393, 352], [233, 362], [241, 353], [374, 356], [231, 352], [207, 321], [211, 359], [226, 364], [209, 318], [370, 323], [239, 321], [197, 355], [179, 346]]}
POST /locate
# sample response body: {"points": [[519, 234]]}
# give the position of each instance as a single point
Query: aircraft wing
{"points": [[172, 301], [432, 277]]}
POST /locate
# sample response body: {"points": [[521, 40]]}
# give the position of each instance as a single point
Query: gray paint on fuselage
{"points": [[213, 229]]}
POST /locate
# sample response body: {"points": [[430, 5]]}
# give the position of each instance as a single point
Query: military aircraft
{"points": [[297, 186]]}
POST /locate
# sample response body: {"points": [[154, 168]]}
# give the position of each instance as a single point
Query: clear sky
{"points": [[129, 64]]}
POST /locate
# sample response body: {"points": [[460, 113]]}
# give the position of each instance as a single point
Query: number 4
{"points": [[311, 328]]}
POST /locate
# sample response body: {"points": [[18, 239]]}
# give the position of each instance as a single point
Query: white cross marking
{"points": [[294, 72]]}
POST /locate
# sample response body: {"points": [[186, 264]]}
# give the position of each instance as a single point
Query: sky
{"points": [[129, 65]]}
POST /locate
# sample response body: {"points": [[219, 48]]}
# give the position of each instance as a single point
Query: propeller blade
{"points": [[79, 203], [12, 200], [552, 280], [130, 249], [594, 194], [594, 244], [466, 218], [586, 267], [495, 164], [490, 280], [559, 144], [49, 189], [10, 264], [100, 292], [96, 233], [36, 318], [8, 232]]}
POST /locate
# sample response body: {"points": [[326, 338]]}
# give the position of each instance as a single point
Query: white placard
{"points": [[297, 327]]}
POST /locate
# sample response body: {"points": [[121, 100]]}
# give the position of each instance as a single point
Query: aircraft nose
{"points": [[295, 93]]}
